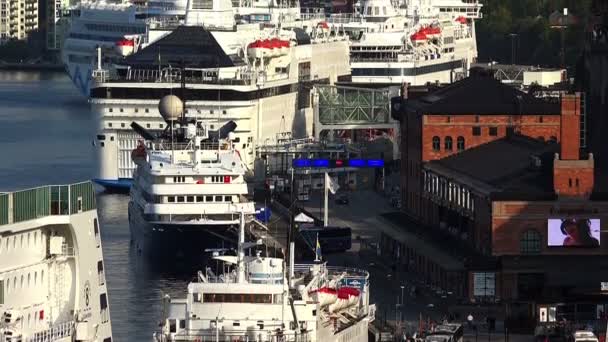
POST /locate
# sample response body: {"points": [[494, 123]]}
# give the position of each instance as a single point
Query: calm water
{"points": [[46, 134]]}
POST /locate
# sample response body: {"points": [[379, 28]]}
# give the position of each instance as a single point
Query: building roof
{"points": [[191, 45], [513, 165], [481, 95]]}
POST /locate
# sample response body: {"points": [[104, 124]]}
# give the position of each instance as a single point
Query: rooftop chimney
{"points": [[572, 176], [570, 127]]}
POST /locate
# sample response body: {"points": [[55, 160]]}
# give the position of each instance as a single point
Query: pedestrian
{"points": [[470, 320]]}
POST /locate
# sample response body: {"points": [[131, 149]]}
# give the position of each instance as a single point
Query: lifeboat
{"points": [[281, 46], [125, 46], [347, 297], [419, 37], [323, 27], [462, 20], [432, 32], [256, 49], [325, 296]]}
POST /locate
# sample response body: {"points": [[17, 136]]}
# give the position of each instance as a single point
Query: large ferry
{"points": [[188, 188], [257, 298], [258, 76], [411, 41], [52, 279]]}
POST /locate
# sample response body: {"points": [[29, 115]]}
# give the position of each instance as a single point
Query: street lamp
{"points": [[402, 302]]}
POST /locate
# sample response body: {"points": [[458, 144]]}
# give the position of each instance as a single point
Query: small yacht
{"points": [[255, 299], [188, 187], [52, 280]]}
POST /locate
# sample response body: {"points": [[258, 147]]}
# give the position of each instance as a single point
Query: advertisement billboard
{"points": [[573, 232]]}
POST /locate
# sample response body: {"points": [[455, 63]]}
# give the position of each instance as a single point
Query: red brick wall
{"points": [[570, 127], [442, 126], [573, 177], [510, 220]]}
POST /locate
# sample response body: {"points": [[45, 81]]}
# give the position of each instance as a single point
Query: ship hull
{"points": [[120, 185], [186, 242]]}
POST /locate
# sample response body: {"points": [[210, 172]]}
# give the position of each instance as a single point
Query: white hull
{"points": [[52, 275]]}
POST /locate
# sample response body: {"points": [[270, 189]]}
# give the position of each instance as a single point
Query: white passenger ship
{"points": [[52, 280], [259, 77], [187, 188], [410, 41], [256, 299]]}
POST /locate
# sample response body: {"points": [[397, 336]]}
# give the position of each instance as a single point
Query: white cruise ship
{"points": [[92, 25], [259, 299], [258, 77], [410, 41], [52, 280], [187, 186]]}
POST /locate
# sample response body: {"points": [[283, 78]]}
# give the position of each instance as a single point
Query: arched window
{"points": [[460, 143], [436, 144], [530, 242], [448, 143]]}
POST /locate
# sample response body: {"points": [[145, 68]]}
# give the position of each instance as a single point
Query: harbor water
{"points": [[46, 135]]}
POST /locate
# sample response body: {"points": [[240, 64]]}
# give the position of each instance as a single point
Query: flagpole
{"points": [[325, 211]]}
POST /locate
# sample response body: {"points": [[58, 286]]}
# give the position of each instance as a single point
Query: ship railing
{"points": [[67, 250], [334, 270], [168, 146], [244, 336], [50, 200], [56, 332], [241, 76]]}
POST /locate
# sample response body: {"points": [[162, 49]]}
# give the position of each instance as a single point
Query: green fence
{"points": [[46, 200]]}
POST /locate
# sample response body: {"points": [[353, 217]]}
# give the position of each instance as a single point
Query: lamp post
{"points": [[402, 302]]}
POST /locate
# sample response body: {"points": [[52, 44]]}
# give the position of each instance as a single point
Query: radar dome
{"points": [[171, 108]]}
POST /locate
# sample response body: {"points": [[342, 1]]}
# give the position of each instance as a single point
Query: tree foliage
{"points": [[536, 43]]}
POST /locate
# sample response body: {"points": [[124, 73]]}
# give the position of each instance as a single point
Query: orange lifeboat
{"points": [[347, 297], [432, 32], [256, 49], [325, 296], [462, 20], [125, 46], [419, 37]]}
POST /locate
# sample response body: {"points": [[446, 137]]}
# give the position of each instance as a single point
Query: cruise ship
{"points": [[52, 280], [413, 42], [258, 298], [117, 27], [93, 25], [188, 188], [260, 77]]}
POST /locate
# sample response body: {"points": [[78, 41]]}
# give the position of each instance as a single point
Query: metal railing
{"points": [[45, 201], [244, 336], [56, 332]]}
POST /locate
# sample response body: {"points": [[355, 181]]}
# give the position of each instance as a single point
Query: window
{"points": [[180, 199], [460, 143], [530, 242], [199, 198], [148, 111], [448, 143], [570, 182], [229, 198], [218, 198], [436, 144], [208, 198], [493, 131], [476, 131], [540, 119], [171, 199], [190, 199]]}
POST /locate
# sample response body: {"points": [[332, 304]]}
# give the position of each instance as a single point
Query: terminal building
{"points": [[500, 203]]}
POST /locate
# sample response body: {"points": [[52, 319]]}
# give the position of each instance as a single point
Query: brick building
{"points": [[488, 218]]}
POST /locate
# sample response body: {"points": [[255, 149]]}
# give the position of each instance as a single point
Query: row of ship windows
{"points": [[24, 241], [147, 110], [21, 284], [212, 179], [200, 199]]}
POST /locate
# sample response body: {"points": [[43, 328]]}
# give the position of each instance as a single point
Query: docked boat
{"points": [[256, 76], [52, 279], [410, 41], [188, 187], [259, 298]]}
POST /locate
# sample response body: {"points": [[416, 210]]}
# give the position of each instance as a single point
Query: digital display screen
{"points": [[573, 232]]}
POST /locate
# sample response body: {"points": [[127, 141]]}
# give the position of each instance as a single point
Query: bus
{"points": [[332, 240]]}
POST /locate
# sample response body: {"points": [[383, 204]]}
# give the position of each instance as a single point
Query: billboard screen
{"points": [[573, 232]]}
